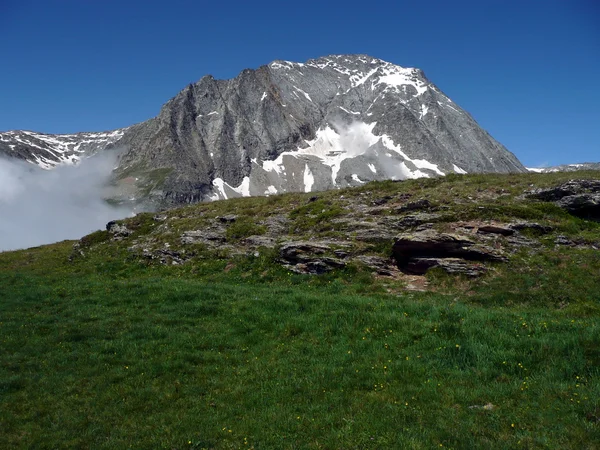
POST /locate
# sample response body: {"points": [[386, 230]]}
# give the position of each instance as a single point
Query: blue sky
{"points": [[526, 70]]}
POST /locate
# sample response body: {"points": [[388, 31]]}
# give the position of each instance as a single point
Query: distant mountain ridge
{"points": [[566, 168], [50, 150], [331, 122]]}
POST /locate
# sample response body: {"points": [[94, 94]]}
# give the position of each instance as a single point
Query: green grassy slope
{"points": [[112, 349]]}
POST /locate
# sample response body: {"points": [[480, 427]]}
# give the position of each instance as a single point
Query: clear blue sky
{"points": [[527, 70]]}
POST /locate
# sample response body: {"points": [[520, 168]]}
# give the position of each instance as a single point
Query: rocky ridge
{"points": [[331, 122], [396, 230], [50, 150]]}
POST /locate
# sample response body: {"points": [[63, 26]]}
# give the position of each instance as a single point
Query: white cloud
{"points": [[44, 206]]}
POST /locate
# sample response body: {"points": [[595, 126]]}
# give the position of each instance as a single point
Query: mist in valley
{"points": [[44, 206]]}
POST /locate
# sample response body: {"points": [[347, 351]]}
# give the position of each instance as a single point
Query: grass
{"points": [[169, 362], [110, 351]]}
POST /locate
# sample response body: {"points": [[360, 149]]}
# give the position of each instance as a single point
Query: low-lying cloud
{"points": [[43, 206]]}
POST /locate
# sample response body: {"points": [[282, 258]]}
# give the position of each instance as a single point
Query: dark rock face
{"points": [[331, 122], [418, 252], [579, 197], [586, 206]]}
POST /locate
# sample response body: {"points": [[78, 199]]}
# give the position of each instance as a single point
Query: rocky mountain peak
{"points": [[335, 121]]}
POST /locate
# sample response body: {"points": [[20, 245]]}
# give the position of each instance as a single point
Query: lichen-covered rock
{"points": [[117, 230], [309, 257]]}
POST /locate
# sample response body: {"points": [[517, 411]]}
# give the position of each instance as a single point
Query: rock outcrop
{"points": [[420, 251], [578, 197]]}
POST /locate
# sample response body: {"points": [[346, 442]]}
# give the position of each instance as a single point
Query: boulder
{"points": [[259, 241], [117, 230], [230, 218], [301, 251], [533, 226], [571, 187], [578, 197], [586, 206], [496, 229]]}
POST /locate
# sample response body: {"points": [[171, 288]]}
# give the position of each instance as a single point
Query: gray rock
{"points": [[202, 237], [308, 257], [230, 218], [267, 131], [382, 266], [417, 252], [453, 266], [315, 266], [586, 206], [415, 206], [301, 251], [431, 244], [118, 230], [570, 188], [496, 229], [415, 220], [563, 240], [579, 197], [259, 241], [534, 226]]}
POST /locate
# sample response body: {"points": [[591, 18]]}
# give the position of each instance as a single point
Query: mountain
{"points": [[50, 150], [566, 168], [331, 122]]}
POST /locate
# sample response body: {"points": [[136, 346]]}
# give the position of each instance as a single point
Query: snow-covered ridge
{"points": [[566, 168], [360, 69], [51, 150], [344, 148]]}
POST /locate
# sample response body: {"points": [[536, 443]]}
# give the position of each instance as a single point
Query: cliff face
{"points": [[330, 122]]}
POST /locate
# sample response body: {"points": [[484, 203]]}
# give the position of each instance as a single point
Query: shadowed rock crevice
{"points": [[419, 251]]}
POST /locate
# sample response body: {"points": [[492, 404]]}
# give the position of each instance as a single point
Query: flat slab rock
{"points": [[202, 237], [419, 251], [453, 266]]}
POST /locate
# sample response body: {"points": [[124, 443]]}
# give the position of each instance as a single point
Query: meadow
{"points": [[110, 351]]}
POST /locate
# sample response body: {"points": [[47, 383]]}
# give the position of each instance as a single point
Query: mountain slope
{"points": [[50, 150], [331, 122]]}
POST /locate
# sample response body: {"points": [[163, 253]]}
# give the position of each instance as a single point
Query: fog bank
{"points": [[44, 206]]}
